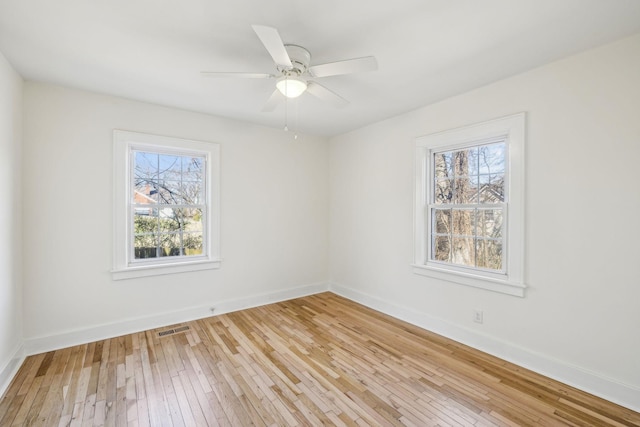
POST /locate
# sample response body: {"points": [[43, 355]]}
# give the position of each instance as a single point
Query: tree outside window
{"points": [[466, 208], [168, 204]]}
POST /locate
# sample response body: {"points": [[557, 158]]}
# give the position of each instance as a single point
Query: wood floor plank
{"points": [[169, 407], [317, 360]]}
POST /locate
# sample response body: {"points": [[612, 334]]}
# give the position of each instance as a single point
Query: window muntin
{"points": [[467, 206], [168, 207]]}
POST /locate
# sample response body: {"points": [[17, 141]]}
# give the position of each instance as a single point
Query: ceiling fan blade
{"points": [[271, 40], [357, 65], [237, 75], [325, 94], [272, 102]]}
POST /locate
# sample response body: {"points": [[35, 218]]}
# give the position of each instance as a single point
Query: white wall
{"points": [[580, 319], [274, 218], [10, 224]]}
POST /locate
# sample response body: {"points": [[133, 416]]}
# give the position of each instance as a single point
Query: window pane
{"points": [[170, 245], [441, 250], [461, 158], [145, 228], [492, 158], [170, 167], [472, 190], [489, 254], [170, 220], [463, 220], [489, 223], [144, 246], [145, 192], [491, 189], [465, 191], [145, 177], [192, 192], [145, 220], [442, 218], [192, 169], [443, 165], [192, 243], [146, 166], [463, 251], [472, 160], [192, 219], [169, 192], [443, 191]]}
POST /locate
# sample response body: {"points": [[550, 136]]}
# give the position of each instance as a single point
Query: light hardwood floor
{"points": [[317, 360]]}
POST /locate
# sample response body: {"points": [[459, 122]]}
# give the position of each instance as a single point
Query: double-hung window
{"points": [[470, 205], [166, 205]]}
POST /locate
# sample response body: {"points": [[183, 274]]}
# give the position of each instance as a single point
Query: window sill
{"points": [[162, 269], [476, 281]]}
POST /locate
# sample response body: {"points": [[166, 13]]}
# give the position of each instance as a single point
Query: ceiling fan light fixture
{"points": [[291, 86]]}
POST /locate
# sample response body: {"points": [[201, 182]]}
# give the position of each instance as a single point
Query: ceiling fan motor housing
{"points": [[300, 59]]}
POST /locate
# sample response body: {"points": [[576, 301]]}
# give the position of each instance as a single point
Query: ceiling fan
{"points": [[295, 74]]}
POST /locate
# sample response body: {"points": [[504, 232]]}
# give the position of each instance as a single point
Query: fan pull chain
{"points": [[286, 114], [295, 123]]}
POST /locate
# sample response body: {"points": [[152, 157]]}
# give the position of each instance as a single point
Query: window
{"points": [[470, 205], [466, 206], [166, 202]]}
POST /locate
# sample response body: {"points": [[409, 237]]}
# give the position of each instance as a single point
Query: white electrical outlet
{"points": [[478, 316]]}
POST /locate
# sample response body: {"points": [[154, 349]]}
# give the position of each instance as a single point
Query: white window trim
{"points": [[124, 141], [512, 282]]}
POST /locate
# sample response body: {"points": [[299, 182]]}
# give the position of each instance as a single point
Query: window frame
{"points": [[512, 130], [124, 266]]}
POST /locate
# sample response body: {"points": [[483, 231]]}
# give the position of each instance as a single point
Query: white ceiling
{"points": [[427, 50]]}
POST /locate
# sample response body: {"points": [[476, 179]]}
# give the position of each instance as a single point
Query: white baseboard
{"points": [[11, 368], [101, 332], [575, 376]]}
